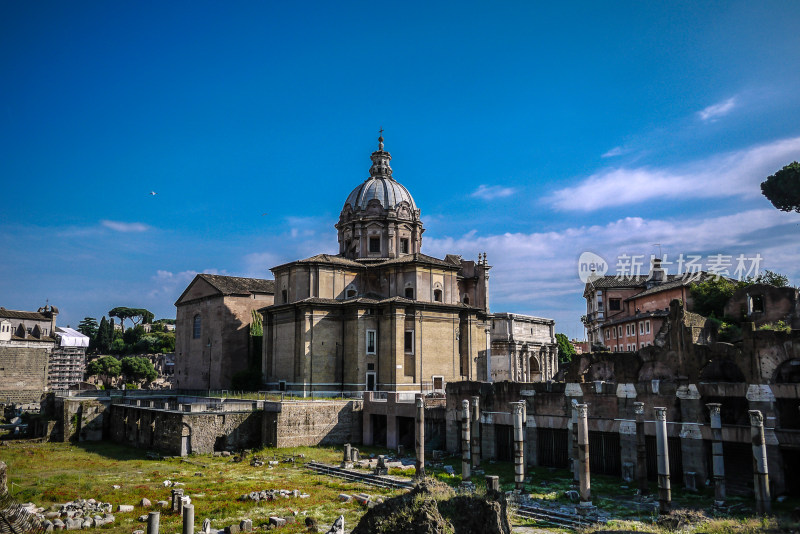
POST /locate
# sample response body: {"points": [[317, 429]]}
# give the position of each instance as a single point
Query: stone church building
{"points": [[380, 315]]}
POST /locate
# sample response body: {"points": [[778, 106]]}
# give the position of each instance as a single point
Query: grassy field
{"points": [[53, 473]]}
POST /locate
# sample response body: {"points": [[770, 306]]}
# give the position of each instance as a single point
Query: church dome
{"points": [[380, 185]]}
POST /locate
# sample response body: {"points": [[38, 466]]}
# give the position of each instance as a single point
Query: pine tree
{"points": [[104, 336]]}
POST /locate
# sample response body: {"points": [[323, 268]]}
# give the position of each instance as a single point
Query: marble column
{"points": [[465, 441], [188, 519], [717, 464], [420, 441], [664, 492], [476, 432], [576, 479], [584, 487], [760, 474], [517, 409], [153, 519], [641, 448]]}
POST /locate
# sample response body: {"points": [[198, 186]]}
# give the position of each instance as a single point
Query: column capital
{"points": [[583, 410], [661, 413], [756, 419], [420, 402], [516, 407], [638, 408], [714, 408]]}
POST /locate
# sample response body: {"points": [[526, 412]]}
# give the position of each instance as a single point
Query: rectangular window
{"points": [[404, 246], [619, 331], [371, 381], [641, 345], [370, 341], [410, 293], [627, 329], [438, 383], [647, 327], [374, 244], [614, 304], [641, 328], [608, 334], [757, 304], [409, 342]]}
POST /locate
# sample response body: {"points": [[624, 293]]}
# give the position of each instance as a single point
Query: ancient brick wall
{"points": [[23, 373], [84, 420], [290, 424]]}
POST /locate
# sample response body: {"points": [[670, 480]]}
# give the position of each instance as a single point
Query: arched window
{"points": [[466, 299], [437, 295], [197, 327], [410, 293], [350, 293]]}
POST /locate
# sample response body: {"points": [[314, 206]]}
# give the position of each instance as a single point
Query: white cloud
{"points": [[616, 151], [169, 285], [118, 226], [715, 111], [733, 174], [491, 192], [537, 273]]}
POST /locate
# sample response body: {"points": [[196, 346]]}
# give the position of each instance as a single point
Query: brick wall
{"points": [[291, 424], [23, 373]]}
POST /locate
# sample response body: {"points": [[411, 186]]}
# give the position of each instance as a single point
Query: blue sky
{"points": [[532, 132]]}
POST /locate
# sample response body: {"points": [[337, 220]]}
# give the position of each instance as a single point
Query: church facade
{"points": [[380, 315]]}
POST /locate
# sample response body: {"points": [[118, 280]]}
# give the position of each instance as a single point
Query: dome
{"points": [[387, 190], [380, 185]]}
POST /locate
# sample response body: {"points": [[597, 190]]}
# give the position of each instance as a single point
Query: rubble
{"points": [[271, 495]]}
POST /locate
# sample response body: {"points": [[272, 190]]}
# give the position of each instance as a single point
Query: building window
{"points": [[350, 293], [641, 328], [647, 327], [370, 341], [437, 295], [619, 331], [285, 296], [410, 293], [374, 244], [371, 381], [608, 334], [404, 246], [197, 328], [466, 300], [614, 304], [641, 345], [409, 342], [757, 304], [627, 329]]}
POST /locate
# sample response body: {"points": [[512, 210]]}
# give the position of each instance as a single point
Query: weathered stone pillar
{"points": [[475, 427], [188, 519], [3, 478], [493, 483], [177, 499], [584, 490], [664, 492], [517, 409], [717, 464], [465, 442], [641, 448], [576, 478], [153, 519], [347, 457], [760, 474], [488, 332], [420, 435]]}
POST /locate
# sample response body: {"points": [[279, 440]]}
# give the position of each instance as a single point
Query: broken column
{"points": [[493, 483], [584, 489], [664, 492], [760, 475], [188, 519], [517, 409], [476, 434], [465, 441], [152, 522], [177, 499], [420, 437], [641, 448], [717, 464], [574, 443], [347, 457]]}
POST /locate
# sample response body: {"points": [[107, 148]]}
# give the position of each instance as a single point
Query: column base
{"points": [[586, 508]]}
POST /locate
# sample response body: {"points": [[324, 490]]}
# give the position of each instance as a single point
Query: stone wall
{"points": [[181, 433], [23, 372], [295, 423], [83, 419]]}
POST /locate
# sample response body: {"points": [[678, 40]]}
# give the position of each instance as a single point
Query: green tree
{"points": [[773, 279], [709, 297], [104, 336], [104, 365], [118, 346], [88, 327], [148, 343], [166, 341], [565, 349], [138, 367], [136, 315], [133, 335], [783, 188]]}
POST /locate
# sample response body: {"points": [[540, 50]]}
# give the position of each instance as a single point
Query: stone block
{"points": [[343, 497], [232, 529], [246, 525], [125, 508], [145, 503], [277, 521]]}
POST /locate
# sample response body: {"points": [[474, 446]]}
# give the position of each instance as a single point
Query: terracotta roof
{"points": [[234, 285], [419, 257], [674, 281], [327, 258], [638, 316], [14, 314]]}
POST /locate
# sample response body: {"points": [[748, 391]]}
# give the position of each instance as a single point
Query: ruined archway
{"points": [[721, 370], [788, 372]]}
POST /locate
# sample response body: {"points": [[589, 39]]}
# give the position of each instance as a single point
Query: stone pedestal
{"points": [[492, 483]]}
